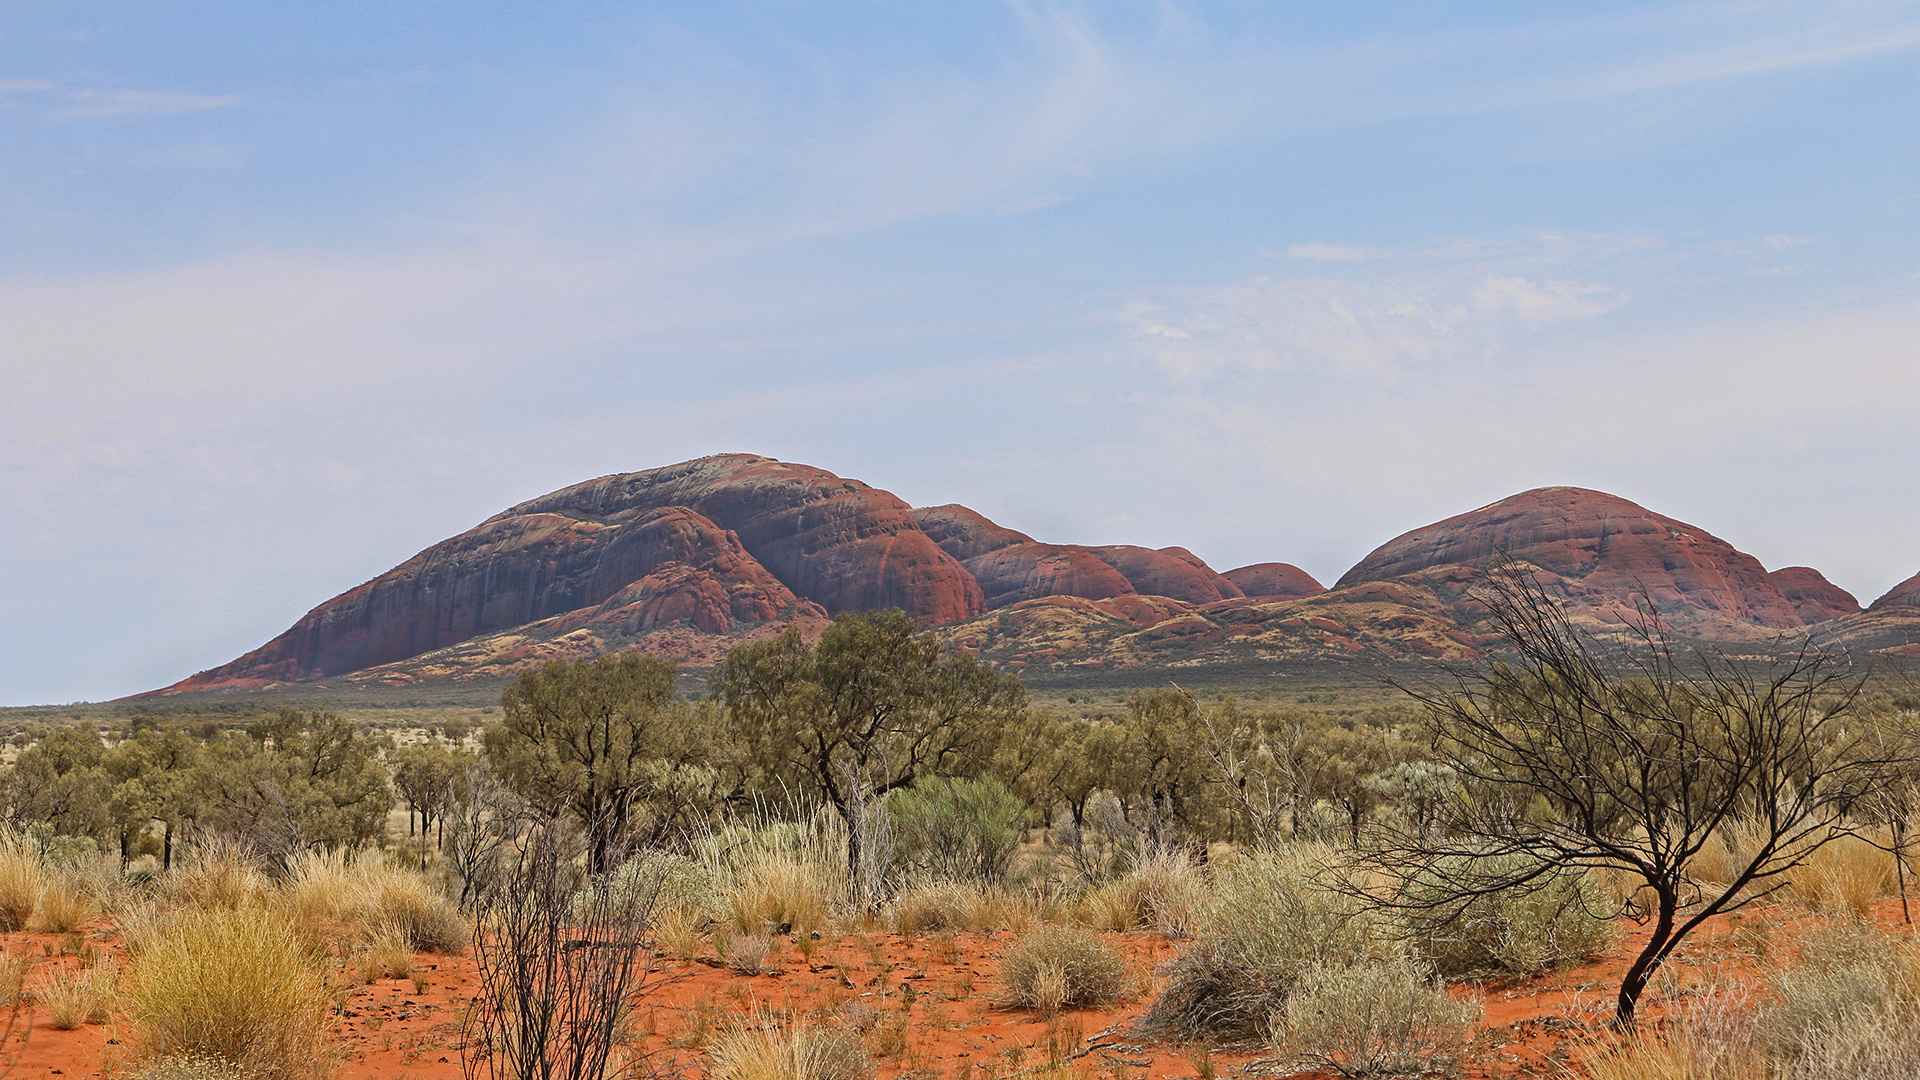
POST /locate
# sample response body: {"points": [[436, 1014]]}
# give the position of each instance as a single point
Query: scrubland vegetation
{"points": [[1339, 891]]}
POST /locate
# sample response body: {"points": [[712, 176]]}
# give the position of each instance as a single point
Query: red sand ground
{"points": [[927, 1005]]}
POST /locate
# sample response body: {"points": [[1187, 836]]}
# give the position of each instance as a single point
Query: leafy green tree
{"points": [[596, 740], [295, 781], [423, 776], [876, 705], [151, 773], [59, 781]]}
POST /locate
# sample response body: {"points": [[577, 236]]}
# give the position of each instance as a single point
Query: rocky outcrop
{"points": [[1904, 595], [962, 533], [838, 542], [1021, 572], [511, 571], [1814, 597], [1173, 572], [693, 559], [1273, 579], [1606, 555]]}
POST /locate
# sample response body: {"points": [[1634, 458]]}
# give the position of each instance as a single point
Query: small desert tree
{"points": [[1575, 756], [592, 740], [876, 705]]}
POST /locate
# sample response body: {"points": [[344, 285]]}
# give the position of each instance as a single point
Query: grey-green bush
{"points": [[956, 829], [1270, 920], [1518, 931], [1376, 1019]]}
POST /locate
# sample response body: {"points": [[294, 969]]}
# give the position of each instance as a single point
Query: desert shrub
{"points": [[956, 829], [21, 881], [217, 873], [76, 996], [1162, 890], [233, 985], [681, 882], [1373, 1020], [1269, 920], [943, 905], [1522, 931], [767, 1049], [1054, 966]]}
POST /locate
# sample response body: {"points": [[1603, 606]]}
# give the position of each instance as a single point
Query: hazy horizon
{"points": [[288, 295]]}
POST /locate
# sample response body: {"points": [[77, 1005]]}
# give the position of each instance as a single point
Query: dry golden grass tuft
{"points": [[236, 986], [386, 953], [1163, 891], [192, 1067], [764, 1048], [945, 905], [1054, 966], [63, 908], [13, 975], [1845, 875], [21, 882], [75, 996], [783, 889], [377, 898], [218, 873]]}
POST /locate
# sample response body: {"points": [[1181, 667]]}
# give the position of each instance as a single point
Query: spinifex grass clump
{"points": [[233, 984], [764, 1048], [1054, 966], [1375, 1019]]}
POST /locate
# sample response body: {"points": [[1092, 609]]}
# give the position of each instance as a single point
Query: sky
{"points": [[289, 292]]}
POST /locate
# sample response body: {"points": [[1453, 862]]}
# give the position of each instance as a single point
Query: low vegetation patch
{"points": [[234, 985], [1055, 966]]}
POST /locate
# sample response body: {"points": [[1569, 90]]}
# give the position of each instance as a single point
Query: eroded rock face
{"points": [[510, 571], [1812, 595], [1173, 572], [962, 533], [1905, 594], [1270, 579], [1604, 547], [838, 542], [1020, 572]]}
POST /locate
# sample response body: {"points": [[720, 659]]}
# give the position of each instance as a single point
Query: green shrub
{"points": [[1054, 966], [1520, 931], [956, 829], [1373, 1020], [1269, 921]]}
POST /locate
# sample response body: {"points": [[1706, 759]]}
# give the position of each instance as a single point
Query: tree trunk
{"points": [[1648, 962]]}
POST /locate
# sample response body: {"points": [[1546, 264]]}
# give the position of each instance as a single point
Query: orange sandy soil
{"points": [[927, 1006]]}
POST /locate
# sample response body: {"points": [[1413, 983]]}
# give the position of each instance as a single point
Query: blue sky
{"points": [[289, 292]]}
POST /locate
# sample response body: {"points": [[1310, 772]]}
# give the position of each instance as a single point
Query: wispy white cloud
{"points": [[49, 101]]}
